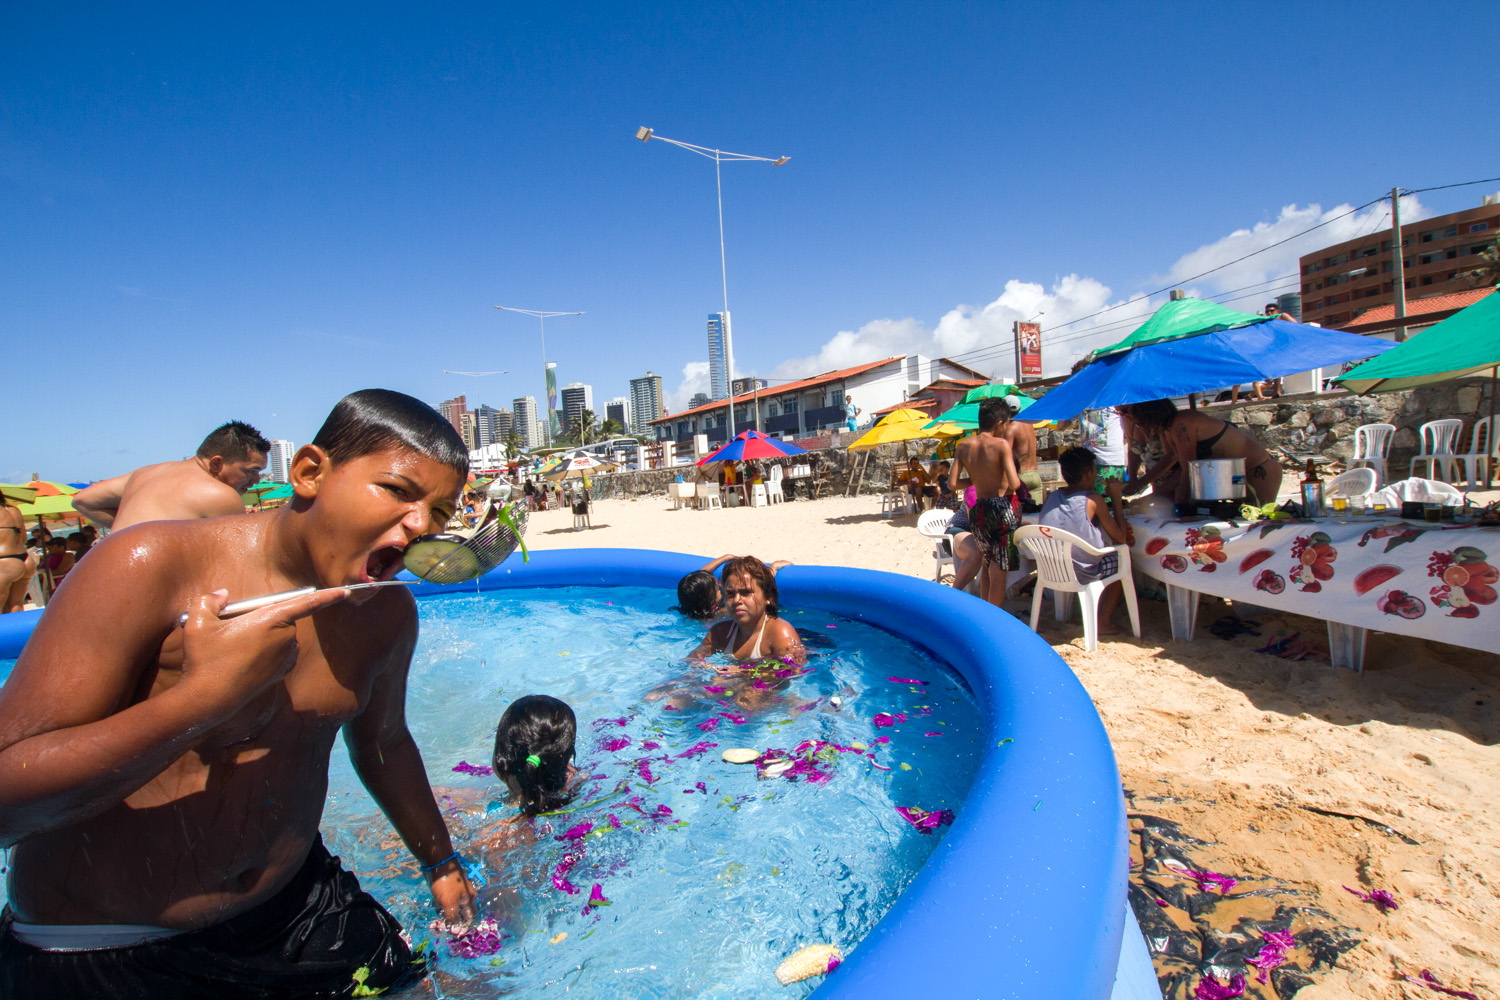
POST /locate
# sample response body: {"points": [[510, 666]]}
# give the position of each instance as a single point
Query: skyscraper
{"points": [[279, 469], [500, 424], [645, 399], [618, 410], [451, 409], [525, 423], [720, 354], [576, 397], [467, 429]]}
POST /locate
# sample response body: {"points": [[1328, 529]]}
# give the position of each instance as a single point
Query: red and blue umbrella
{"points": [[751, 445]]}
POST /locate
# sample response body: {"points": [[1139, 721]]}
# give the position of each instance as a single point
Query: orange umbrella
{"points": [[44, 488]]}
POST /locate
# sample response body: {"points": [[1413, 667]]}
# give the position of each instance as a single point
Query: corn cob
{"points": [[804, 963]]}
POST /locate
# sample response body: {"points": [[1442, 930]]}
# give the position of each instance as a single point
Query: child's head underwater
{"points": [[533, 748]]}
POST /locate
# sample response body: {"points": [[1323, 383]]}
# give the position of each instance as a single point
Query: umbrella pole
{"points": [[1489, 444]]}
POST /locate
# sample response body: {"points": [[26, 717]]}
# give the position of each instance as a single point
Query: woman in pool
{"points": [[753, 633]]}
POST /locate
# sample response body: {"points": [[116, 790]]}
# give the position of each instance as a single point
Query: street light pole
{"points": [[549, 382], [718, 156]]}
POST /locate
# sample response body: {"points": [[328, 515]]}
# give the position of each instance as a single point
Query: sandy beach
{"points": [[1297, 777]]}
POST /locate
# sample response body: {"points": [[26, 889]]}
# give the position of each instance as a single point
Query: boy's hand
{"points": [[453, 894], [228, 661]]}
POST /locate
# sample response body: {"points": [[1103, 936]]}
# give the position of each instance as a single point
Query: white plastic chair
{"points": [[1052, 548], [1354, 483], [758, 495], [934, 525], [1474, 465], [708, 496], [1419, 490], [777, 495], [1372, 447], [1438, 439]]}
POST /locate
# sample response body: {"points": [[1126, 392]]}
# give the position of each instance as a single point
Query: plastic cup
{"points": [[1433, 512], [1379, 507], [1340, 504]]}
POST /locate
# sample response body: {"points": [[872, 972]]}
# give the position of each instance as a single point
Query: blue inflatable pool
{"points": [[1026, 894]]}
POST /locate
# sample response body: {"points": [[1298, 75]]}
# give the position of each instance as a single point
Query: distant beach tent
{"points": [[751, 445], [575, 466], [1196, 347], [1466, 343], [896, 426]]}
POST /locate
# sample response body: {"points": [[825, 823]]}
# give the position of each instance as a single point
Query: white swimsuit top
{"points": [[734, 638]]}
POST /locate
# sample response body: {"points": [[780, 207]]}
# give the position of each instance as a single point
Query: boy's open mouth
{"points": [[383, 563]]}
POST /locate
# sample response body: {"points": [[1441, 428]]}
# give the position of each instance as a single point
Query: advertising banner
{"points": [[553, 430], [1028, 351]]}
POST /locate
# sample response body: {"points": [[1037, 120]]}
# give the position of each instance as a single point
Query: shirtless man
{"points": [[162, 785], [1021, 437], [986, 457], [209, 484]]}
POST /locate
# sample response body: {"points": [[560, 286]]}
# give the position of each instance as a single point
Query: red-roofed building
{"points": [[1419, 312], [804, 407]]}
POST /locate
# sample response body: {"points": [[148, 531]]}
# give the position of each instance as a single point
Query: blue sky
{"points": [[211, 215]]}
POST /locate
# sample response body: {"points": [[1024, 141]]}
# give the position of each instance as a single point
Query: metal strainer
{"points": [[457, 558]]}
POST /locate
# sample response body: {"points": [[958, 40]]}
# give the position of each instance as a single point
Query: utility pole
{"points": [[1399, 285]]}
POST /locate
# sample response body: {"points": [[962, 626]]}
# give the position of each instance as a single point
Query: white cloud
{"points": [[694, 379], [1280, 261]]}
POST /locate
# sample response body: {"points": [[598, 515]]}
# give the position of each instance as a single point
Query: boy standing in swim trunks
{"points": [[162, 785], [996, 512]]}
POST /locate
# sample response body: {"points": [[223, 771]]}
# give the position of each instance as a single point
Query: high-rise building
{"points": [[484, 425], [747, 384], [500, 423], [699, 399], [576, 397], [451, 409], [468, 429], [1342, 281], [618, 410], [645, 399], [720, 354], [279, 468], [525, 422]]}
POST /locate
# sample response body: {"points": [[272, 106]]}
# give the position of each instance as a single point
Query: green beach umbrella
{"points": [[16, 493], [966, 413], [1466, 343], [53, 506], [1181, 318]]}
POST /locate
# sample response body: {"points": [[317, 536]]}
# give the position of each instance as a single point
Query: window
{"points": [[790, 406], [1477, 248], [1427, 237], [1479, 227], [1451, 254], [1426, 279], [772, 410], [1369, 252], [836, 398], [1371, 292]]}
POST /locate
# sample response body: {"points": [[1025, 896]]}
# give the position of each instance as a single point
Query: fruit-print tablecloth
{"points": [[1435, 581]]}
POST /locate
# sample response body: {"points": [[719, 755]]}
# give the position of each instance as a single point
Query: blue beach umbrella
{"points": [[1203, 362], [752, 445]]}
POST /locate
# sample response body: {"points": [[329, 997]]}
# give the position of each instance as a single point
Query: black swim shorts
{"points": [[992, 520], [306, 941]]}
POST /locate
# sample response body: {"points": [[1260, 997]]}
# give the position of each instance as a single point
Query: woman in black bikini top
{"points": [[17, 566], [1185, 434]]}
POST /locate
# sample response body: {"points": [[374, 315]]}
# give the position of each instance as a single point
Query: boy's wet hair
{"points": [[234, 442], [698, 595], [1076, 463], [753, 569], [534, 745], [371, 420], [992, 411]]}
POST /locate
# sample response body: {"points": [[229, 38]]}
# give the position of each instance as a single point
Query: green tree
{"points": [[1487, 274], [513, 445], [584, 427], [611, 428]]}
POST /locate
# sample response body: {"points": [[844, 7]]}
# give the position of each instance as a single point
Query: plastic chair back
{"points": [[1052, 550], [1442, 434], [934, 523], [1354, 483], [1372, 441]]}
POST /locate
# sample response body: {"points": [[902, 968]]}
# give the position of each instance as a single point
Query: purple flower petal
{"points": [[932, 734], [576, 832], [480, 939], [464, 767], [1432, 982], [737, 719], [709, 724], [601, 723], [614, 821], [618, 743], [596, 896], [883, 719], [712, 689], [923, 820], [833, 963], [904, 680], [1210, 988], [1382, 899], [1207, 880], [697, 748], [650, 745]]}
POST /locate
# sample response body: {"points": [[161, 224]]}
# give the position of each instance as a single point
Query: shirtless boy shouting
{"points": [[209, 484], [163, 786], [986, 457]]}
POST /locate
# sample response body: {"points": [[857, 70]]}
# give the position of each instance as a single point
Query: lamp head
{"points": [[643, 133]]}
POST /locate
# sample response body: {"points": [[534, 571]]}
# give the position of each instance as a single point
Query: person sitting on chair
{"points": [[1080, 511]]}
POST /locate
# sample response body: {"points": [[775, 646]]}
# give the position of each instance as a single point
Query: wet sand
{"points": [[1293, 773]]}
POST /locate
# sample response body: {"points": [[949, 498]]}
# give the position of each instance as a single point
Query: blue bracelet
{"points": [[451, 857]]}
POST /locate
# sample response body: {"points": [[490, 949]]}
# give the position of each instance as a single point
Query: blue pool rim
{"points": [[1025, 896]]}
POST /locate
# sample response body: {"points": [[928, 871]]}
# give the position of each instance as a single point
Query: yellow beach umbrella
{"points": [[59, 508], [898, 425], [16, 493]]}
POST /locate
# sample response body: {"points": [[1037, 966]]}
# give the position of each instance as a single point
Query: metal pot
{"points": [[1217, 478]]}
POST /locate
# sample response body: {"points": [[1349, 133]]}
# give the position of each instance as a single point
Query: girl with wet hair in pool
{"points": [[698, 594], [534, 746], [753, 633]]}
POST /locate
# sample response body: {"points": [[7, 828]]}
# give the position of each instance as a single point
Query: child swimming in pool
{"points": [[753, 633], [534, 747], [698, 594]]}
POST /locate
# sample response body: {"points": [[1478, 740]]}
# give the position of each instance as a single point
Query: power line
{"points": [[1444, 187]]}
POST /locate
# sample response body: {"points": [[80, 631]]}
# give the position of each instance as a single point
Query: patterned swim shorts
{"points": [[992, 519]]}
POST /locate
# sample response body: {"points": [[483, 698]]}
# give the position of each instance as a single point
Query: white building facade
{"points": [[279, 462], [720, 354], [524, 421]]}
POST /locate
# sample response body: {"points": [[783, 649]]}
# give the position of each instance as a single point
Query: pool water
{"points": [[713, 872]]}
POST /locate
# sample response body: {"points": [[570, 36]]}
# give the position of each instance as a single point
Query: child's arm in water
{"points": [[390, 766], [711, 642], [782, 642]]}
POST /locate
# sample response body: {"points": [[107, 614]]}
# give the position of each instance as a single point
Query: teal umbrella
{"points": [[966, 413], [1181, 318]]}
